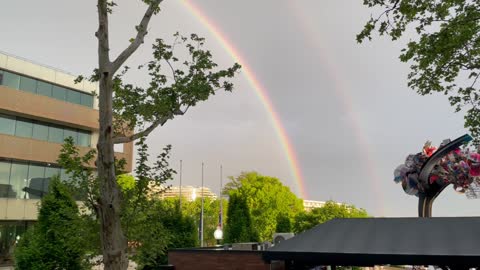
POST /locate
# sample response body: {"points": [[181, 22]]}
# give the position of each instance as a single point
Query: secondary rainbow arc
{"points": [[340, 89]]}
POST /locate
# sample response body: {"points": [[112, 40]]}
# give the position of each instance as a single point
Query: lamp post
{"points": [[218, 234], [201, 215], [180, 187], [221, 202]]}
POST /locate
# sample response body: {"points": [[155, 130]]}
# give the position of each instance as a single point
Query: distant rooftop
{"points": [[33, 69], [36, 63]]}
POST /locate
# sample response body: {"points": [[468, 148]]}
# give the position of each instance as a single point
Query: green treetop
{"points": [[307, 220], [267, 198], [239, 227], [57, 240], [443, 48]]}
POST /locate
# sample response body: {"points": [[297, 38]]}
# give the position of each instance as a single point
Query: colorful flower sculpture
{"points": [[460, 167]]}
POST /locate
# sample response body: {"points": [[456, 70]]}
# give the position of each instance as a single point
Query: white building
{"points": [[188, 192], [308, 205]]}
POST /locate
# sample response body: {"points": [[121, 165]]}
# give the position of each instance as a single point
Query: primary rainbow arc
{"points": [[261, 93]]}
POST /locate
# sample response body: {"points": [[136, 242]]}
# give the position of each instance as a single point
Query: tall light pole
{"points": [[201, 215], [221, 201], [180, 198], [218, 234]]}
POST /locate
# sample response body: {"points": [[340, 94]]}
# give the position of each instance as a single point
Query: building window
{"points": [[44, 89], [26, 180], [51, 172], [70, 133], [87, 100], [55, 134], [38, 130], [118, 148], [7, 124], [23, 128], [74, 97], [28, 84], [18, 180], [11, 80], [84, 139], [39, 87], [4, 179], [35, 182], [59, 93]]}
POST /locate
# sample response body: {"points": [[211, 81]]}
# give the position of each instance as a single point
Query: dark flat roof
{"points": [[376, 241]]}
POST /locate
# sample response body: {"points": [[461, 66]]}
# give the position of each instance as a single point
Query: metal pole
{"points": [[201, 215], [221, 202], [180, 197]]}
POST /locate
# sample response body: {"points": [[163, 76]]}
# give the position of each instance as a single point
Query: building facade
{"points": [[308, 205], [39, 107], [190, 193]]}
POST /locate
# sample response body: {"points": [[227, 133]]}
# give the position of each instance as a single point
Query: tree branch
{"points": [[173, 70], [388, 10], [474, 105], [141, 33], [145, 132], [159, 122], [102, 36]]}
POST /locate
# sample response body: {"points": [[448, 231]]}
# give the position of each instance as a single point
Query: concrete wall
{"points": [[18, 209], [25, 210]]}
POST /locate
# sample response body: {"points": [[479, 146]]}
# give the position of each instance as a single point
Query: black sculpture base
{"points": [[425, 200]]}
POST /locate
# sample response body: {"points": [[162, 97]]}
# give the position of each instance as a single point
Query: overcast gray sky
{"points": [[346, 107]]}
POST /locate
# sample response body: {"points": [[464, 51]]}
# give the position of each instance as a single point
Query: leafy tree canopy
{"points": [[139, 212], [239, 226], [307, 220], [284, 224], [267, 198], [444, 50], [57, 241], [159, 228], [174, 86], [126, 182]]}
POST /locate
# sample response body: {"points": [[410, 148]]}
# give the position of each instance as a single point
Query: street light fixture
{"points": [[218, 234]]}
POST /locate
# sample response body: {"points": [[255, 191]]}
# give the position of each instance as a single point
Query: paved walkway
{"points": [[131, 266]]}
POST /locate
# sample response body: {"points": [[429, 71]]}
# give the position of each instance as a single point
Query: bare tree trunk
{"points": [[114, 243]]}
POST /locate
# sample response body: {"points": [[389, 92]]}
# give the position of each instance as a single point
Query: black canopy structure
{"points": [[452, 242]]}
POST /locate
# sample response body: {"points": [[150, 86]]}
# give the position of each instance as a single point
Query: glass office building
{"points": [[39, 108]]}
